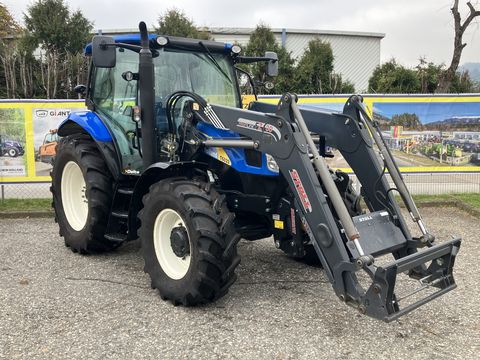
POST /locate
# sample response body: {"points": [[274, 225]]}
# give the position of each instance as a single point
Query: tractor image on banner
{"points": [[46, 151], [167, 153], [12, 143]]}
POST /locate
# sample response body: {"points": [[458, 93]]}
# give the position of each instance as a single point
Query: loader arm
{"points": [[345, 246]]}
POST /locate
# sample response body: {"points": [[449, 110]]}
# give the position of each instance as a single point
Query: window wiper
{"points": [[214, 61]]}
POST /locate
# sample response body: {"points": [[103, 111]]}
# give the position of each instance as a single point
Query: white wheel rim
{"points": [[175, 267], [74, 198], [12, 152]]}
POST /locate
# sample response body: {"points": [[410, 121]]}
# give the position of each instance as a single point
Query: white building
{"points": [[356, 53]]}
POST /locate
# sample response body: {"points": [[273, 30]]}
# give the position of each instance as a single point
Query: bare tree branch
{"points": [[458, 45], [473, 14]]}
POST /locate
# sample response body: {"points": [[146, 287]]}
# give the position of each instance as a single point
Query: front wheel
{"points": [[12, 152], [188, 241]]}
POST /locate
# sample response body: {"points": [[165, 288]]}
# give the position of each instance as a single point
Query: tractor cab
{"points": [[206, 68]]}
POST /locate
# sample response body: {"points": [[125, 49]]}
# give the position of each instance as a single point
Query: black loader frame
{"points": [[284, 132]]}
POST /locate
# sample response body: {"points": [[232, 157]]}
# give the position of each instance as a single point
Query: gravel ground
{"points": [[58, 305]]}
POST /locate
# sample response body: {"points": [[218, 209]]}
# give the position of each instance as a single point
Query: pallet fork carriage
{"points": [[216, 173]]}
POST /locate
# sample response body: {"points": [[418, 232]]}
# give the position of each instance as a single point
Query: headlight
{"points": [[272, 164], [162, 41], [236, 49]]}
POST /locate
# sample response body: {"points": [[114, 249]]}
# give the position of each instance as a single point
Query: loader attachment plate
{"points": [[431, 268], [378, 235]]}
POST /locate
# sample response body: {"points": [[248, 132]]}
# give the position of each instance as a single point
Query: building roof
{"points": [[224, 30], [248, 31]]}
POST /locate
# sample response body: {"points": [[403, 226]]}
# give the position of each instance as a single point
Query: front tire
{"points": [[188, 241], [82, 189], [12, 152]]}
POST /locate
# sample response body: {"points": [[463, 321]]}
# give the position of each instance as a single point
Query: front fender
{"points": [[89, 123], [86, 121]]}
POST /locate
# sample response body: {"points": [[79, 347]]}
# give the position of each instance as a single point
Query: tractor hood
{"points": [[12, 143]]}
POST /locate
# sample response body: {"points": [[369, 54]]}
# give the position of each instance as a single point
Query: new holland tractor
{"points": [[166, 154]]}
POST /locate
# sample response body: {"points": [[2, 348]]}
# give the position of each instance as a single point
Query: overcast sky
{"points": [[413, 28]]}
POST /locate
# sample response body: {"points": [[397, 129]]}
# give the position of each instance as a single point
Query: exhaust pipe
{"points": [[147, 99]]}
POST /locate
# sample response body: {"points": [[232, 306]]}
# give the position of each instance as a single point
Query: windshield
{"points": [[113, 96], [195, 72]]}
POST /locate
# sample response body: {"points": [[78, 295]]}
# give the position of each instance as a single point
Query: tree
{"points": [[59, 33], [8, 25], [174, 22], [315, 74], [286, 71], [16, 60], [458, 45], [428, 75], [261, 40], [408, 121], [392, 78]]}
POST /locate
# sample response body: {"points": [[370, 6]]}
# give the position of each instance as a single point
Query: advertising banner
{"points": [[28, 137], [424, 133]]}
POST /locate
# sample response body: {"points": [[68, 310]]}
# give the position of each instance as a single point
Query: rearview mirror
{"points": [[80, 89], [103, 51], [272, 64]]}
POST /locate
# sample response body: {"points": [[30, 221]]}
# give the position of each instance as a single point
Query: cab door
{"points": [[114, 95]]}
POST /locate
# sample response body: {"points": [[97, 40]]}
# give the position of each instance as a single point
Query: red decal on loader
{"points": [[292, 219], [300, 190]]}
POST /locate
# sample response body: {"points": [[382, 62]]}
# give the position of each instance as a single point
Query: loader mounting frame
{"points": [[277, 130]]}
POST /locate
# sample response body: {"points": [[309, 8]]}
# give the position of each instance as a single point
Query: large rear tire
{"points": [[351, 201], [188, 241], [82, 189]]}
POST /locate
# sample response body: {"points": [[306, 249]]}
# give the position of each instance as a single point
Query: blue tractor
{"points": [[167, 153], [10, 148]]}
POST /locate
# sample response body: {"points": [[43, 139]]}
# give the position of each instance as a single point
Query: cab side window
{"points": [[112, 94], [114, 98]]}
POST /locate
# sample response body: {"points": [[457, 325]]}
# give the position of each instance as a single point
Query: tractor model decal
{"points": [[307, 229], [259, 127], [213, 117], [300, 190], [219, 154]]}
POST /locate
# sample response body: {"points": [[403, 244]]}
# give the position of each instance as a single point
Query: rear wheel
{"points": [[188, 241], [352, 203], [82, 189]]}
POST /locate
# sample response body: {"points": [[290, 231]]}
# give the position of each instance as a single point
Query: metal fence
{"points": [[25, 191], [437, 183], [418, 183]]}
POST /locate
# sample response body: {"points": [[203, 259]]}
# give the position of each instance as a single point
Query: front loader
{"points": [[167, 154]]}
